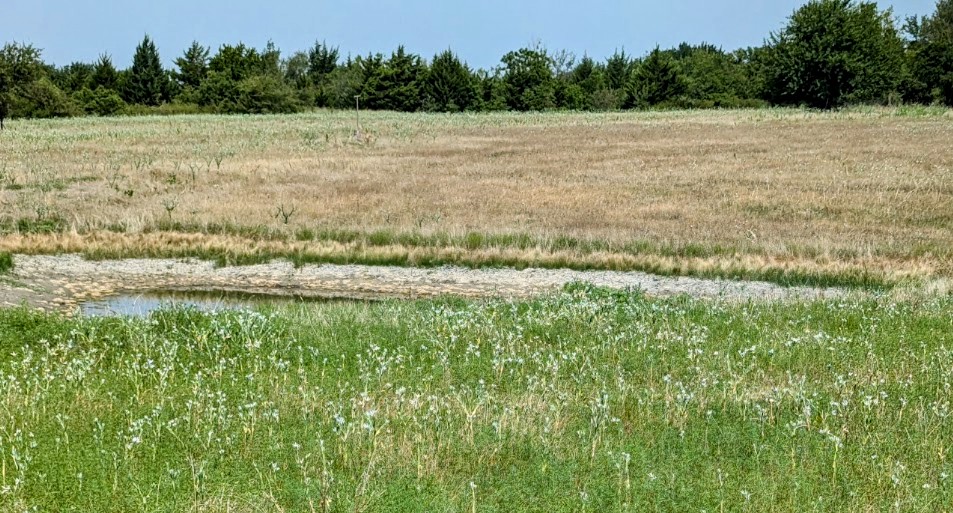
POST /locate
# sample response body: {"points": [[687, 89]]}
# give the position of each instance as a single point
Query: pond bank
{"points": [[63, 282]]}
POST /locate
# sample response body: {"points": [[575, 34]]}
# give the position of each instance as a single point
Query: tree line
{"points": [[830, 54]]}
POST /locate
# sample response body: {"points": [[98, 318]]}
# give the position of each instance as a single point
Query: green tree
{"points": [[229, 86], [101, 102], [528, 76], [394, 84], [491, 91], [318, 75], [618, 70], [104, 74], [566, 92], [322, 61], [835, 52], [615, 77], [146, 81], [270, 60], [236, 62], [295, 70], [265, 94], [589, 76], [372, 91], [192, 66], [342, 85], [403, 81], [20, 67], [930, 56], [713, 77], [41, 99], [655, 81], [218, 90], [754, 61], [938, 28], [568, 95], [73, 77], [450, 85]]}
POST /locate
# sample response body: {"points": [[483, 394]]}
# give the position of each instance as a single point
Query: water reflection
{"points": [[142, 304]]}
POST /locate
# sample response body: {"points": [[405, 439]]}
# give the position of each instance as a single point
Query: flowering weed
{"points": [[586, 400]]}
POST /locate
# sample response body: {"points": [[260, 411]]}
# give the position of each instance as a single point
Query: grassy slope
{"points": [[583, 401], [856, 198]]}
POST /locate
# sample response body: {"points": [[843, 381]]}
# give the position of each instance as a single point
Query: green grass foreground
{"points": [[585, 400]]}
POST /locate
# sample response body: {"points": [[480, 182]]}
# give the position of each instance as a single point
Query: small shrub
{"points": [[43, 224], [6, 262], [42, 99], [474, 240], [305, 235], [265, 95], [380, 238], [102, 101], [606, 100]]}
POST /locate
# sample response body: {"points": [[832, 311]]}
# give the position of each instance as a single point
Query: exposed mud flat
{"points": [[64, 282]]}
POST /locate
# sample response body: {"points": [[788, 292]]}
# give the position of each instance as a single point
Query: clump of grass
{"points": [[6, 262], [42, 224]]}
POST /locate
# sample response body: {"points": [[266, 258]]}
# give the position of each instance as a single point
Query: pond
{"points": [[143, 304]]}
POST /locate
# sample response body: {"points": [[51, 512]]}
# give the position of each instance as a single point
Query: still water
{"points": [[142, 304]]}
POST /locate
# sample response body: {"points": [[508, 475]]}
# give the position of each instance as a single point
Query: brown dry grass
{"points": [[862, 191]]}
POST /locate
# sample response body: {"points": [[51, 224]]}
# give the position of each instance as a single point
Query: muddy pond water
{"points": [[143, 304]]}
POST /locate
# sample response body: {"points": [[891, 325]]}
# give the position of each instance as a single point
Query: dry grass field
{"points": [[861, 197]]}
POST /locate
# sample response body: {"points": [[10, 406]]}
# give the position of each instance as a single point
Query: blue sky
{"points": [[480, 31]]}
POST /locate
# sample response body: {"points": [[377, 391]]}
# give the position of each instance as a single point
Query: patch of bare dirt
{"points": [[63, 282]]}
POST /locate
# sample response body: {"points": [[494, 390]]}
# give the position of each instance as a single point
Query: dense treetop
{"points": [[831, 53]]}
